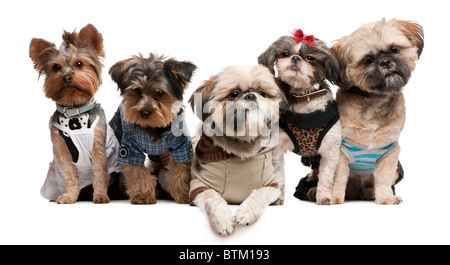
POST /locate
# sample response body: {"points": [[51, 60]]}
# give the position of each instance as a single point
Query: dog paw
{"points": [[324, 198], [224, 227], [325, 201], [182, 199], [100, 198], [66, 199], [368, 194], [338, 199], [145, 198], [246, 215], [389, 200], [312, 194]]}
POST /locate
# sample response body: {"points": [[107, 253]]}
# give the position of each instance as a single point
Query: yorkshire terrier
{"points": [[84, 147], [150, 121]]}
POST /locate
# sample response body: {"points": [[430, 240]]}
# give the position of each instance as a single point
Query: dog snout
{"points": [[250, 97], [296, 59], [145, 114], [386, 63], [67, 79]]}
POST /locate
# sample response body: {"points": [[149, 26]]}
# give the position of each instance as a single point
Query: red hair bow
{"points": [[299, 36]]}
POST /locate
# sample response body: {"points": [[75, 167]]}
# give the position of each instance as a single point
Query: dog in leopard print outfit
{"points": [[311, 127]]}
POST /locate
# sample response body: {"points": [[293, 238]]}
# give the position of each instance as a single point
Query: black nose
{"points": [[145, 114], [386, 63], [296, 59], [67, 79], [250, 97]]}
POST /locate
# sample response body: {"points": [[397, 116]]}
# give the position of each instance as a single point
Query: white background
{"points": [[213, 35]]}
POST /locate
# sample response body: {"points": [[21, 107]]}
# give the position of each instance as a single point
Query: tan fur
{"points": [[101, 177], [84, 67], [179, 178], [68, 169], [244, 80], [154, 85], [375, 121], [140, 184]]}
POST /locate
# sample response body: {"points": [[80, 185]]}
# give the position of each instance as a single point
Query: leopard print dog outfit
{"points": [[308, 130]]}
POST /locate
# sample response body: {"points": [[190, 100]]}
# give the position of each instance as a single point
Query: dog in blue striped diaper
{"points": [[376, 63]]}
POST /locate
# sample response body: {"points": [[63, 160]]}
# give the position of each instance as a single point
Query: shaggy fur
{"points": [[304, 69], [70, 81], [152, 90], [376, 62], [253, 92]]}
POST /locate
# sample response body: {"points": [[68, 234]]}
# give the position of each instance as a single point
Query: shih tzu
{"points": [[232, 160], [376, 63], [310, 127]]}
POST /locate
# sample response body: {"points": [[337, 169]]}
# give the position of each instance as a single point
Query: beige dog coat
{"points": [[232, 177]]}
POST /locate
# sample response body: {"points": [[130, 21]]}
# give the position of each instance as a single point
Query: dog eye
{"points": [[395, 50], [368, 60], [310, 58], [79, 65], [159, 93], [138, 91], [56, 67], [263, 94], [233, 95], [285, 54]]}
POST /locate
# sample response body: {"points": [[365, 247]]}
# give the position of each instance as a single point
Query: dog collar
{"points": [[363, 93], [77, 110], [310, 96]]}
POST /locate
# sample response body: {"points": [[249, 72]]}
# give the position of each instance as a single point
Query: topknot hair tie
{"points": [[299, 36]]}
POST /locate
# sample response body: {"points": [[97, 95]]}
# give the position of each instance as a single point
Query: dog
{"points": [[311, 126], [233, 161], [84, 147], [150, 121], [376, 63]]}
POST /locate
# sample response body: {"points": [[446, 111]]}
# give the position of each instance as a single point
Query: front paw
{"points": [[247, 215], [100, 198], [181, 198], [144, 198], [388, 200], [224, 226], [66, 198], [324, 198], [338, 199]]}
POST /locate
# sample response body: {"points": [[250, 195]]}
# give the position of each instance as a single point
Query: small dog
{"points": [[85, 148], [232, 161], [311, 127], [150, 121], [376, 63]]}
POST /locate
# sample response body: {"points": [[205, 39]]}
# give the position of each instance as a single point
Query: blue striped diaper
{"points": [[362, 160]]}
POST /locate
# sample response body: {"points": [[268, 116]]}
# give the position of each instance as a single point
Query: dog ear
{"points": [[203, 91], [180, 71], [40, 53], [90, 37], [333, 72], [330, 62], [414, 32], [340, 51], [120, 74], [179, 74], [268, 58]]}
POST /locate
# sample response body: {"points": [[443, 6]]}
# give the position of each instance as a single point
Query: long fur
{"points": [[378, 58], [258, 81], [303, 69]]}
